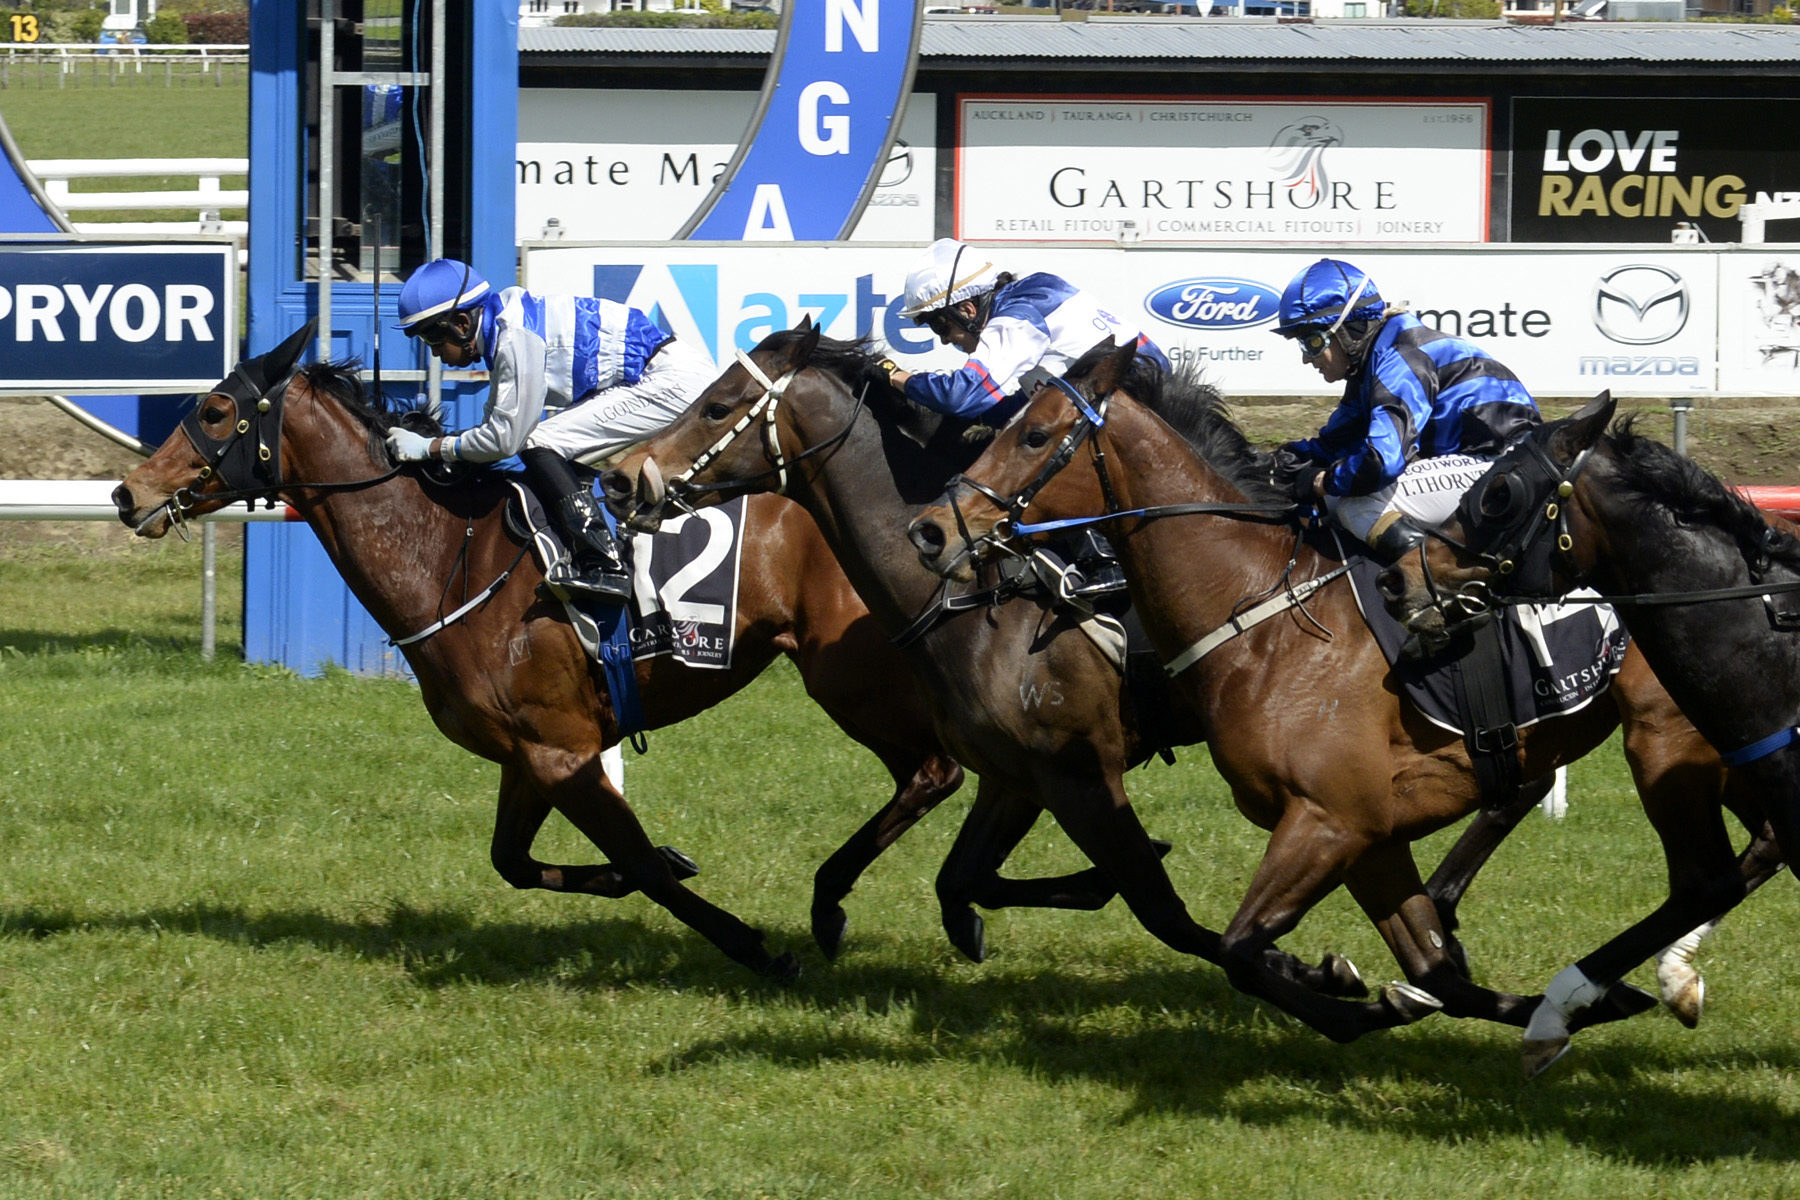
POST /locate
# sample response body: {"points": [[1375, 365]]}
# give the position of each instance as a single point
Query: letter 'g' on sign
{"points": [[824, 135]]}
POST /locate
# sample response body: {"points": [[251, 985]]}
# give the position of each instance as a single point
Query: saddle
{"points": [[1530, 662], [684, 594]]}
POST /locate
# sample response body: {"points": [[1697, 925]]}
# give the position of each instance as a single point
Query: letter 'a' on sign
{"points": [[830, 108]]}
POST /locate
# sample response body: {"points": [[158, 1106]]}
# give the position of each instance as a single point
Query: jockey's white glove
{"points": [[408, 446]]}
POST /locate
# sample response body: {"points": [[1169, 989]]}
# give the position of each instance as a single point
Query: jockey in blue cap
{"points": [[615, 377], [1007, 327], [1423, 412]]}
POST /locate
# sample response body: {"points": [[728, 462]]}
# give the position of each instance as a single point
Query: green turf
{"points": [[251, 946]]}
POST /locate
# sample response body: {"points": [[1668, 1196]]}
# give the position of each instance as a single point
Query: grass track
{"points": [[250, 945]]}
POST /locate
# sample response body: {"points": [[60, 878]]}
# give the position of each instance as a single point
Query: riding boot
{"points": [[1098, 568], [1391, 541], [593, 566]]}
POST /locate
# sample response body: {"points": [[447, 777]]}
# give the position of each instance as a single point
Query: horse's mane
{"points": [[1692, 495], [857, 363], [341, 379], [1197, 411]]}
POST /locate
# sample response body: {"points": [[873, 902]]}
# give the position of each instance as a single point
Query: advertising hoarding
{"points": [[622, 165], [1630, 169], [1642, 321], [1223, 170], [100, 317]]}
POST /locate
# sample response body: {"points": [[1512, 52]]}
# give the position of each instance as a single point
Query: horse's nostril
{"points": [[928, 538]]}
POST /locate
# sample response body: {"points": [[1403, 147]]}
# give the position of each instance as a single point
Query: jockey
{"points": [[613, 375], [1422, 416], [1007, 327]]}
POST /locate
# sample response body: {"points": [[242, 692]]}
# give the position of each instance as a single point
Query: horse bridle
{"points": [[1532, 537], [679, 485], [1089, 417], [247, 461]]}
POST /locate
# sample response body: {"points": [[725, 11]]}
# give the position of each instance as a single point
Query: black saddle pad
{"points": [[1558, 657]]}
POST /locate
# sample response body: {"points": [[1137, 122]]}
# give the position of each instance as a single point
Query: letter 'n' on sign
{"points": [[831, 105], [863, 21]]}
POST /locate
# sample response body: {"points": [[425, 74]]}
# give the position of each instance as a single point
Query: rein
{"points": [[254, 475], [773, 391], [1090, 417]]}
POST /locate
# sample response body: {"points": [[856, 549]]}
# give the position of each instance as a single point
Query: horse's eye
{"points": [[212, 414], [1036, 439], [717, 411], [1496, 498]]}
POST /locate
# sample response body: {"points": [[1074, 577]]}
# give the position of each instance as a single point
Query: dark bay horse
{"points": [[509, 680], [1020, 695], [1573, 506], [1300, 709]]}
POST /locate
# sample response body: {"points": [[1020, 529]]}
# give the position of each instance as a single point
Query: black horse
{"points": [[1704, 582]]}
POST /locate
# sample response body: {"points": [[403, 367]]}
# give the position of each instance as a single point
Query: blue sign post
{"points": [[830, 108]]}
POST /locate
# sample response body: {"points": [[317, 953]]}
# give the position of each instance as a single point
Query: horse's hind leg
{"points": [[518, 816], [580, 791], [935, 777]]}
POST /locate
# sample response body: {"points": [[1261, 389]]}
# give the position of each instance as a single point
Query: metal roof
{"points": [[1115, 39]]}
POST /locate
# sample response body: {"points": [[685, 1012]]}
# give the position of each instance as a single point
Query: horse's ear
{"points": [[807, 342], [1114, 369], [1585, 427], [806, 323]]}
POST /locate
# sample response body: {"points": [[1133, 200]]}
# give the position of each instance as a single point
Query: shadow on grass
{"points": [[1176, 1039]]}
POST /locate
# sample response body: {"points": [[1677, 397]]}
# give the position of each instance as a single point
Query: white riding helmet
{"points": [[949, 273]]}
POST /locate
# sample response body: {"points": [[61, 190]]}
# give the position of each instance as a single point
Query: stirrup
{"points": [[1093, 579], [602, 583]]}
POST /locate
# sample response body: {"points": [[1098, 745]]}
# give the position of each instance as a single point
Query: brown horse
{"points": [[1020, 696], [508, 679], [1701, 573], [1301, 710]]}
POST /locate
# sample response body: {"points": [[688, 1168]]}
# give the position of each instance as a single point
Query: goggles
{"points": [[435, 333], [1313, 343], [936, 320]]}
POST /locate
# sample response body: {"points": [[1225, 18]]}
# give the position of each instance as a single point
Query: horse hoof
{"points": [[1541, 1052], [680, 864], [1683, 991], [828, 926], [1688, 1002], [1410, 1003], [1341, 977], [968, 933], [784, 968]]}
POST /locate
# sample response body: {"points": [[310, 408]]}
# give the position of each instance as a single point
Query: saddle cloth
{"points": [[1558, 657], [684, 582]]}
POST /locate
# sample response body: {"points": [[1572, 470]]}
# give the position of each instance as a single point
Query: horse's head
{"points": [[1520, 533], [228, 448], [982, 507], [745, 433]]}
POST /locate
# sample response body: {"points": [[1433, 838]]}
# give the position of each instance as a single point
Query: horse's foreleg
{"points": [[519, 814], [935, 778], [1000, 817], [590, 802], [1384, 881], [1473, 848], [1105, 827]]}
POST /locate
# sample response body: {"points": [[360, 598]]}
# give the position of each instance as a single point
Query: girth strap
{"points": [[1485, 713]]}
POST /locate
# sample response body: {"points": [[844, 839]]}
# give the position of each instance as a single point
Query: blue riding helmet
{"points": [[1317, 298], [440, 287]]}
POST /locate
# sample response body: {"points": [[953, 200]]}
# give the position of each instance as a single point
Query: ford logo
{"points": [[1214, 303]]}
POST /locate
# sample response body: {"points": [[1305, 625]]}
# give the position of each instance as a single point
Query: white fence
{"points": [[207, 197], [72, 60]]}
